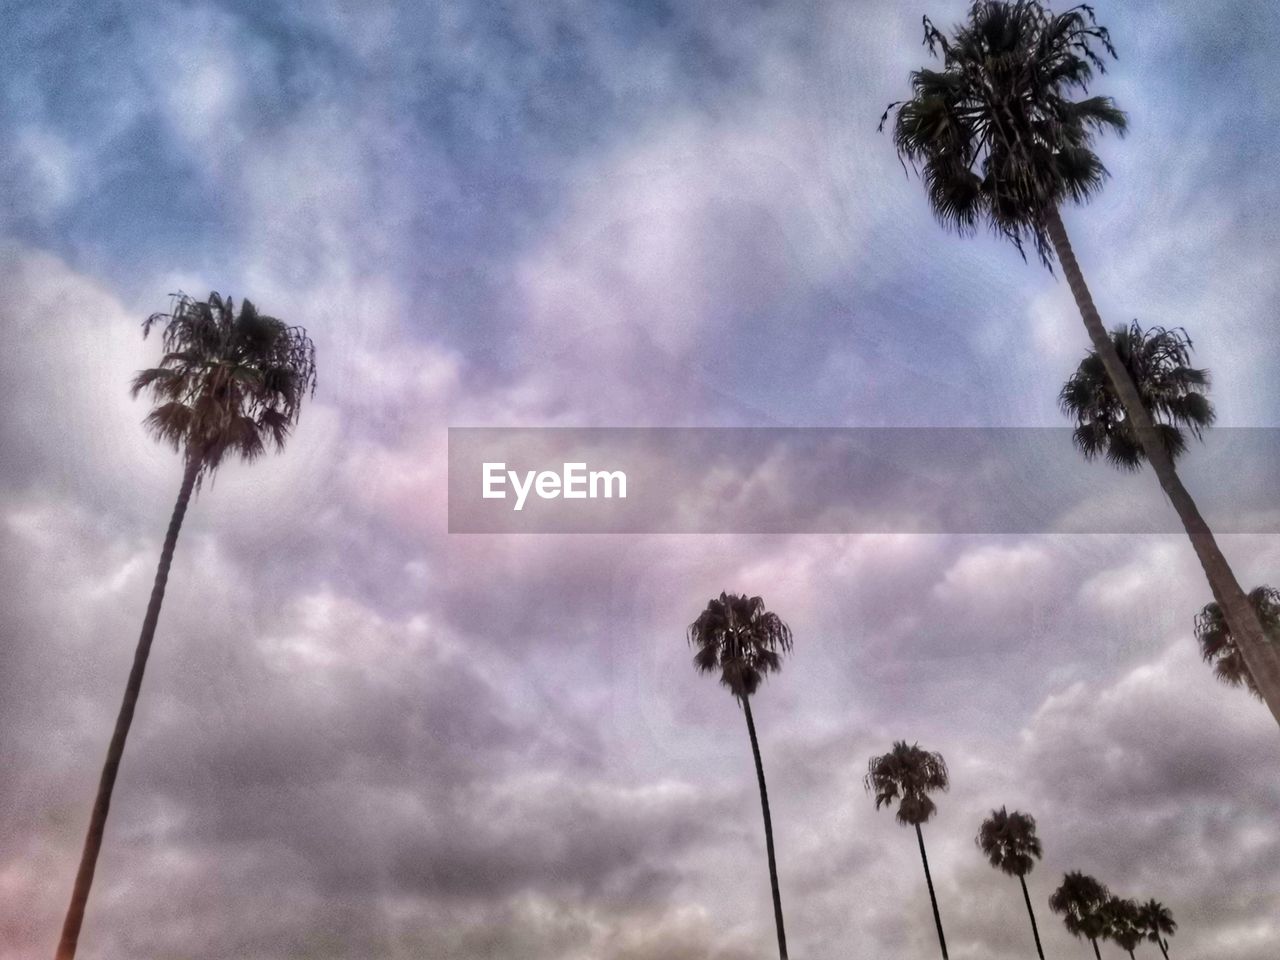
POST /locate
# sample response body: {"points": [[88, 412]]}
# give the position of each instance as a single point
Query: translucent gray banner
{"points": [[862, 480]]}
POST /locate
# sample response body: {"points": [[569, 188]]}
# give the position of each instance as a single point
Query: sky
{"points": [[361, 736]]}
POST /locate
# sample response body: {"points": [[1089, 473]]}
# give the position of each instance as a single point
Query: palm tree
{"points": [[908, 775], [1010, 843], [1158, 361], [737, 637], [227, 384], [999, 140], [1081, 901], [1176, 394], [1123, 925], [1157, 924], [1218, 646]]}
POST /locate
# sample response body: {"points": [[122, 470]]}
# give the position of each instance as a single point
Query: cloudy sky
{"points": [[363, 737]]}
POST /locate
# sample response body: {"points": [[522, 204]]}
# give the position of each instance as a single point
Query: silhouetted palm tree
{"points": [[1159, 363], [908, 774], [1010, 843], [1218, 646], [1174, 392], [1157, 924], [228, 384], [1081, 902], [1122, 920], [738, 638], [999, 140]]}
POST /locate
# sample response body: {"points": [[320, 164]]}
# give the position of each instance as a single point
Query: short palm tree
{"points": [[1001, 138], [1158, 924], [1218, 646], [1123, 923], [1081, 902], [907, 774], [229, 384], [1010, 844], [742, 641]]}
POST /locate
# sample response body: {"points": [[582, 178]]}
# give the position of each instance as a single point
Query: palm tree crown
{"points": [[228, 382], [1009, 841], [1123, 923], [1174, 392], [1157, 921], [907, 774], [738, 637], [1081, 900], [995, 133], [1218, 645]]}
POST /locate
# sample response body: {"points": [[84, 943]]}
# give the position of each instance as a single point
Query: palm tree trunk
{"points": [[102, 803], [928, 879], [1035, 931], [1261, 656], [768, 831], [1096, 952], [1164, 947]]}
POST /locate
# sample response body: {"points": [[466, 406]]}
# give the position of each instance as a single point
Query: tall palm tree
{"points": [[1219, 647], [908, 775], [737, 637], [1123, 925], [999, 140], [1010, 843], [228, 384], [1158, 924], [1081, 901]]}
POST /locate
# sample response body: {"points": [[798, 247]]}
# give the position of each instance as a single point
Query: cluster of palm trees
{"points": [[739, 639], [1092, 912], [1000, 139]]}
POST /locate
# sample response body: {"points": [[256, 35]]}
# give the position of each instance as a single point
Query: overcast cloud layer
{"points": [[361, 736]]}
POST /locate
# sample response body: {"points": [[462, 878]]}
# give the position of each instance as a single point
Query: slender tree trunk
{"points": [[768, 830], [102, 803], [1096, 952], [928, 879], [1164, 947], [1035, 931], [1260, 656]]}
